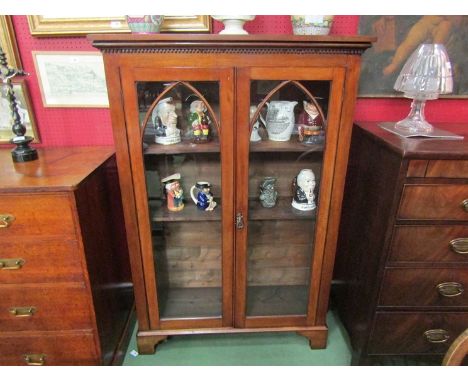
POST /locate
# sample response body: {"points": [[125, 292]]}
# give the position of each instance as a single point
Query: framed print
{"points": [[42, 26], [24, 108], [71, 79], [398, 37], [8, 42]]}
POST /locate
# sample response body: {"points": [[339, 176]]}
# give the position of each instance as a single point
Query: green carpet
{"points": [[257, 349]]}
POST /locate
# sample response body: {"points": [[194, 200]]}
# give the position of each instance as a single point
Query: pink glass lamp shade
{"points": [[426, 74]]}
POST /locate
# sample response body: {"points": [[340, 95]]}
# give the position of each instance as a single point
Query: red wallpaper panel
{"points": [[86, 126]]}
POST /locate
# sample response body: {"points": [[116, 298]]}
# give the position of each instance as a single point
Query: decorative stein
{"points": [[310, 125], [174, 192], [204, 199], [280, 120], [303, 190], [199, 121], [268, 194], [165, 122], [254, 135]]}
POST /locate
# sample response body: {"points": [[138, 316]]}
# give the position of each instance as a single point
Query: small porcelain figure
{"points": [[200, 122], [165, 122], [280, 120], [174, 192], [303, 190], [268, 194], [310, 125], [254, 135], [204, 199]]}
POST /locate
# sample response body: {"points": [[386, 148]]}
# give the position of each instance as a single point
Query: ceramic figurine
{"points": [[303, 190], [254, 135], [200, 122], [280, 120], [204, 199], [310, 125], [268, 194], [174, 192], [165, 122]]}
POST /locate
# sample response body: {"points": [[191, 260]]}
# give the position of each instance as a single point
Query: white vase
{"points": [[233, 24]]}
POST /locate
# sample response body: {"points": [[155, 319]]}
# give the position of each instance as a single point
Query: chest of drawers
{"points": [[402, 262], [64, 279]]}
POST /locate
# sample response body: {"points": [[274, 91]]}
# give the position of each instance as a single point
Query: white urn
{"points": [[233, 24]]}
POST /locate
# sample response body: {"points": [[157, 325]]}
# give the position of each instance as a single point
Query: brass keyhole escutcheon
{"points": [[6, 220]]}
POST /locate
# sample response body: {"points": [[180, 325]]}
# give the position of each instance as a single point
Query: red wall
{"points": [[85, 126]]}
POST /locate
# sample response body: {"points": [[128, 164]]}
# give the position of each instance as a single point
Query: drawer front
{"points": [[37, 215], [425, 287], [34, 307], [434, 202], [29, 261], [445, 244], [49, 349], [415, 333], [447, 169]]}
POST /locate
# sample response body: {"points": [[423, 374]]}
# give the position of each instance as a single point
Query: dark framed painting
{"points": [[398, 37]]}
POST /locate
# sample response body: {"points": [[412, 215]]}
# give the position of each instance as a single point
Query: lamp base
{"points": [[414, 126], [415, 122], [23, 153]]}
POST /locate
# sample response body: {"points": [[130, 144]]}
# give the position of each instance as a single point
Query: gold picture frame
{"points": [[25, 109], [41, 26], [8, 42]]}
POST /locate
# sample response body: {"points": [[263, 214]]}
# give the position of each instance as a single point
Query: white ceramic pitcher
{"points": [[280, 120]]}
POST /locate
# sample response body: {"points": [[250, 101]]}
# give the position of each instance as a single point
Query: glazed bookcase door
{"points": [[186, 251], [280, 247]]}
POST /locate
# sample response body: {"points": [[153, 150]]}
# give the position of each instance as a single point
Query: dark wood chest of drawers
{"points": [[64, 279], [402, 262]]}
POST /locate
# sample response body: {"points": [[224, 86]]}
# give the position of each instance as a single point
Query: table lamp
{"points": [[22, 152], [426, 74]]}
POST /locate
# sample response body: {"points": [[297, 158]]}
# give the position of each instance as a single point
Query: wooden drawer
{"points": [[447, 169], [429, 244], [434, 202], [45, 214], [425, 287], [438, 169], [57, 307], [407, 333], [41, 261], [58, 348]]}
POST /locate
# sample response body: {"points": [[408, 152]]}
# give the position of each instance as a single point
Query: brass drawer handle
{"points": [[436, 336], [450, 289], [459, 245], [26, 311], [35, 359], [465, 205], [6, 220], [11, 264]]}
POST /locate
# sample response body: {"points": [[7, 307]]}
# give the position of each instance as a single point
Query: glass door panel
{"points": [[182, 161], [288, 134]]}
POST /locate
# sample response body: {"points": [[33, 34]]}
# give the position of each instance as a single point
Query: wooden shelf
{"points": [[160, 213], [187, 147], [282, 211], [184, 147], [289, 146], [272, 300]]}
